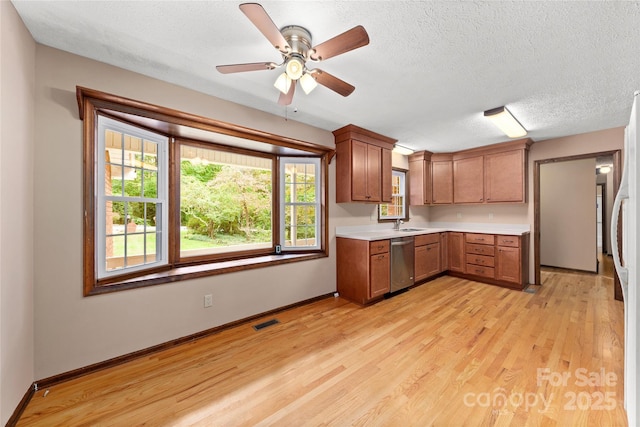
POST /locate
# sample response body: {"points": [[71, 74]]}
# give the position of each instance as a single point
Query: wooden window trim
{"points": [[173, 123]]}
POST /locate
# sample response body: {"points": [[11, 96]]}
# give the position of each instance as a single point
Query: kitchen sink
{"points": [[411, 229]]}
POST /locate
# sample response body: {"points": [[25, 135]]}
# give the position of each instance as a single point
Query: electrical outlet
{"points": [[459, 215], [491, 215], [208, 300]]}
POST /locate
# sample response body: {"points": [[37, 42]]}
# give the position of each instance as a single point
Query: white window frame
{"points": [[403, 193], [105, 123], [318, 201]]}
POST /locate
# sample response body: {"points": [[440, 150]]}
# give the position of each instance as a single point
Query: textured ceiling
{"points": [[429, 72]]}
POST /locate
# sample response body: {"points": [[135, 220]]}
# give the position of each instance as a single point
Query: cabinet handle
{"points": [[380, 256], [508, 241]]}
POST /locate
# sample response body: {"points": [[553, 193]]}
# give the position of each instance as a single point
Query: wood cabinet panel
{"points": [[380, 275], [373, 182], [487, 261], [468, 176], [479, 270], [427, 261], [513, 241], [425, 239], [387, 172], [378, 247], [442, 182], [480, 249], [444, 252], [420, 179], [359, 174], [504, 177], [481, 239], [455, 242], [508, 264]]}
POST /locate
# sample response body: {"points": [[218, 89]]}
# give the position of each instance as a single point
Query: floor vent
{"points": [[265, 324]]}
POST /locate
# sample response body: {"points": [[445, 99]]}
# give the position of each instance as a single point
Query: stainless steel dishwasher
{"points": [[402, 262]]}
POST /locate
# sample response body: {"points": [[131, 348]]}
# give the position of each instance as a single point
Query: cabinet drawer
{"points": [[487, 250], [481, 239], [425, 239], [378, 247], [479, 270], [512, 241], [485, 261]]}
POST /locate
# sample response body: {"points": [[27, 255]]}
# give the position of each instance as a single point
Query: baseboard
{"points": [[17, 413], [119, 360]]}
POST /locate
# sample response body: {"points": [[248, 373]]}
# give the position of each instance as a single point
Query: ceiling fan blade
{"points": [[285, 99], [349, 40], [332, 82], [239, 68], [263, 22]]}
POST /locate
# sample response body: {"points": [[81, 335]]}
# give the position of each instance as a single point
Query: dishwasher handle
{"points": [[402, 243]]}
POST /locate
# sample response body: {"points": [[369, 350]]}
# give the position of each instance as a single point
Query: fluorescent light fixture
{"points": [[283, 83], [308, 83], [294, 68], [502, 118], [402, 150]]}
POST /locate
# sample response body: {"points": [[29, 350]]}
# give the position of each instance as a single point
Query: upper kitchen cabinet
{"points": [[420, 178], [441, 179], [491, 174], [504, 177], [467, 180], [363, 165]]}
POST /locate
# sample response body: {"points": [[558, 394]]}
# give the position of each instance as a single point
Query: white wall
{"points": [[568, 237], [72, 331], [17, 81]]}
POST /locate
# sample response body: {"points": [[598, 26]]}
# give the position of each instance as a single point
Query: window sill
{"points": [[203, 270]]}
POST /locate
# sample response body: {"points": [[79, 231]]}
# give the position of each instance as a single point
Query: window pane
{"points": [[129, 179], [225, 202]]}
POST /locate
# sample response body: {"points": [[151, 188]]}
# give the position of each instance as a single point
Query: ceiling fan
{"points": [[294, 43]]}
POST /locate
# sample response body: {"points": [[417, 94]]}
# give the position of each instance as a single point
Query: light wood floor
{"points": [[448, 353]]}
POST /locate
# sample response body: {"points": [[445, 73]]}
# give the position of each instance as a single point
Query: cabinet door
{"points": [[387, 172], [504, 177], [509, 262], [455, 242], [442, 182], [420, 263], [380, 275], [468, 176], [444, 252], [374, 171], [433, 259], [419, 183], [359, 167]]}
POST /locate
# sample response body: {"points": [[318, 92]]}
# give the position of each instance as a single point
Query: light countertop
{"points": [[386, 231]]}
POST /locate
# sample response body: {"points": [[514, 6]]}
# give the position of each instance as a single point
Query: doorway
{"points": [[616, 173]]}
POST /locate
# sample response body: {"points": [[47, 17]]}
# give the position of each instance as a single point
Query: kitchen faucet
{"points": [[396, 226]]}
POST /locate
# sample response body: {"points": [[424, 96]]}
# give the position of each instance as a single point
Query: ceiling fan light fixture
{"points": [[283, 83], [504, 120], [308, 83], [294, 68]]}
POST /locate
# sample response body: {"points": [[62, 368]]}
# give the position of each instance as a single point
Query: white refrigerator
{"points": [[626, 260]]}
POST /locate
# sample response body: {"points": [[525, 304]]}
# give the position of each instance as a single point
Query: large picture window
{"points": [[169, 196]]}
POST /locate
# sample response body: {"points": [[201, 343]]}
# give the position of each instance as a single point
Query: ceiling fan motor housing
{"points": [[298, 38]]}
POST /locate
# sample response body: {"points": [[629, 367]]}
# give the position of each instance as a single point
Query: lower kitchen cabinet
{"points": [[455, 241], [427, 256], [363, 269]]}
